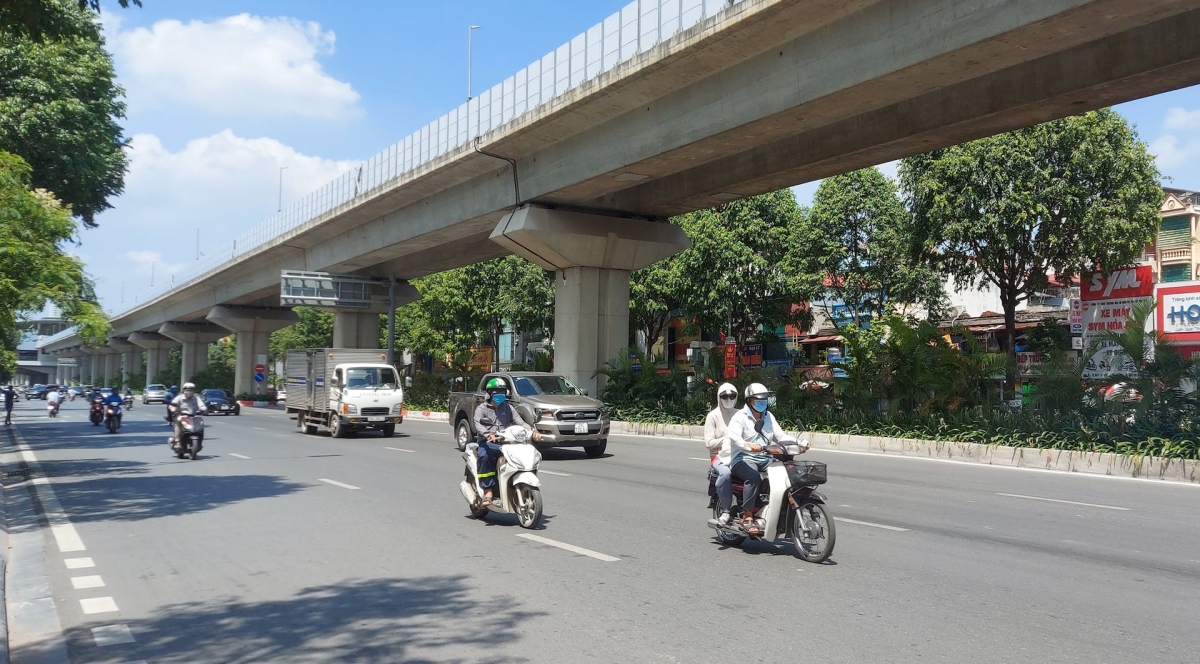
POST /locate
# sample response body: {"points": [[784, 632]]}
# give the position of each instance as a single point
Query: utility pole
{"points": [[470, 30]]}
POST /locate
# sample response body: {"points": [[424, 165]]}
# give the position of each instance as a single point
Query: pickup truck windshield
{"points": [[528, 386], [370, 378]]}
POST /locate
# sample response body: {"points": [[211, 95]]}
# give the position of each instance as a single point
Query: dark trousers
{"points": [[488, 454], [749, 474], [8, 414]]}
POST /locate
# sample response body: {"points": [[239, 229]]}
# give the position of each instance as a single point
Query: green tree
{"points": [[1062, 198], [855, 248], [41, 19], [34, 269], [654, 298], [314, 329], [737, 278], [59, 106]]}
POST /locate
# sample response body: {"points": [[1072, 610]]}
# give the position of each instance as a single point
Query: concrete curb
{"points": [[1091, 463]]}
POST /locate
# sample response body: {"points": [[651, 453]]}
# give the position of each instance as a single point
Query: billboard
{"points": [[1178, 312], [1107, 301], [1126, 283]]}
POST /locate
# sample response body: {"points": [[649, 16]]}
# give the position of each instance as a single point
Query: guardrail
{"points": [[635, 29]]}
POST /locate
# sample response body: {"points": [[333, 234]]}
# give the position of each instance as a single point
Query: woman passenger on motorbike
{"points": [[748, 440], [491, 417], [715, 426]]}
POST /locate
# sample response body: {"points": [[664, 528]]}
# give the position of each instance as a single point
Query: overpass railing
{"points": [[636, 28]]}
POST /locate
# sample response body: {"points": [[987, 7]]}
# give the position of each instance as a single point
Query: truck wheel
{"points": [[462, 435], [596, 451], [388, 430], [335, 427]]}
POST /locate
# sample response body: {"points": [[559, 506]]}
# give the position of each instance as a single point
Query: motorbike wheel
{"points": [[726, 538], [528, 501], [814, 549], [193, 453]]}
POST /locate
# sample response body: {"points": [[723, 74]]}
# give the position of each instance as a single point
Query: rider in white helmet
{"points": [[187, 403], [715, 426], [747, 441]]}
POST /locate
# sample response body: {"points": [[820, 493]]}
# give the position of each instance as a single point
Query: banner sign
{"points": [[1126, 283], [1106, 316], [1029, 364], [1178, 312], [751, 356], [1076, 316], [730, 359]]}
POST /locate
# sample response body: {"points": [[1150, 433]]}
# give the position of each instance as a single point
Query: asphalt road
{"points": [[249, 554]]}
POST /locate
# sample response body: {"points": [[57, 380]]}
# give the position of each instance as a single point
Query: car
{"points": [[220, 402], [154, 394], [40, 391], [34, 389], [75, 390], [281, 396], [105, 391]]}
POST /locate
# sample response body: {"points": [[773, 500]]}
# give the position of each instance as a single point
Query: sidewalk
{"points": [[1091, 463]]}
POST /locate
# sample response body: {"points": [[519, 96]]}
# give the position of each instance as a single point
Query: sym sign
{"points": [[1178, 312], [1127, 283]]}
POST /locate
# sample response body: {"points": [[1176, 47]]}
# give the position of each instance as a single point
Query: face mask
{"points": [[498, 399], [759, 405], [728, 401]]}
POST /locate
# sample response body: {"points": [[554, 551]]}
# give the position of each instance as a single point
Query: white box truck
{"points": [[344, 390]]}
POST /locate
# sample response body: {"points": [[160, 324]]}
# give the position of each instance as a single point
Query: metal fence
{"points": [[635, 29]]}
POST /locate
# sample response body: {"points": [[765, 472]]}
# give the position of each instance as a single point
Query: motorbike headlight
{"points": [[792, 449]]}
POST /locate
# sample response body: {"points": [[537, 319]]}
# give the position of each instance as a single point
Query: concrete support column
{"points": [[131, 361], [112, 367], [253, 326], [592, 256], [85, 368], [158, 350], [125, 348], [355, 330], [195, 338]]}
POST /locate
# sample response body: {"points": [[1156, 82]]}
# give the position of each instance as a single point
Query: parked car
{"points": [[154, 394], [220, 402], [34, 389], [563, 415], [40, 392]]}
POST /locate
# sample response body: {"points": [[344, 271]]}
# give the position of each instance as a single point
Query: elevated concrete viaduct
{"points": [[760, 95]]}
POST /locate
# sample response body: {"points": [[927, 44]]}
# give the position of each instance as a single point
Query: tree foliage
{"points": [[59, 106], [855, 248], [654, 298], [42, 19], [1061, 198], [314, 329], [34, 269]]}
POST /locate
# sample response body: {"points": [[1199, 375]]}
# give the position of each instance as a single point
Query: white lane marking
{"points": [[873, 525], [551, 472], [65, 534], [79, 563], [398, 449], [260, 428], [1068, 502], [238, 456], [112, 635], [337, 483], [436, 433], [698, 459], [82, 582], [98, 605], [570, 547]]}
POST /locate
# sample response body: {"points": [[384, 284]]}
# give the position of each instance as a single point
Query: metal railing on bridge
{"points": [[636, 28]]}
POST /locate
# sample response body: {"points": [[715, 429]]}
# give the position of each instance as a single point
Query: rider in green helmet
{"points": [[492, 416]]}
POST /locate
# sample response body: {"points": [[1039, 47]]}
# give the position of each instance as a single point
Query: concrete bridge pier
{"points": [[112, 366], [126, 359], [352, 329], [195, 338], [592, 256], [253, 326], [85, 367], [157, 348]]}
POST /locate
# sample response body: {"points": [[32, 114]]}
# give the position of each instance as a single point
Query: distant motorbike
{"points": [[516, 474], [129, 401], [112, 417], [52, 409], [191, 436], [96, 415]]}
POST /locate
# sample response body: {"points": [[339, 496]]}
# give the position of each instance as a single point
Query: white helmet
{"points": [[757, 391], [189, 386]]}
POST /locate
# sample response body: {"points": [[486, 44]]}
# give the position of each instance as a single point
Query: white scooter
{"points": [[793, 507], [516, 478]]}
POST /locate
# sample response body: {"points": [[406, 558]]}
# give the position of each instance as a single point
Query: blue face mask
{"points": [[498, 399], [759, 405]]}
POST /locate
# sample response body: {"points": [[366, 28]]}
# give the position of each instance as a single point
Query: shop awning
{"points": [[815, 340]]}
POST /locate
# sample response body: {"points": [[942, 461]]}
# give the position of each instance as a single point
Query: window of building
{"points": [[1175, 233], [1176, 272]]}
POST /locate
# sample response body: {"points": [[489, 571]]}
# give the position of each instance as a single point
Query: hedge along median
{"points": [[1072, 461]]}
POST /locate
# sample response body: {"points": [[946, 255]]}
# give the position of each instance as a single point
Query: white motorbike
{"points": [[792, 505], [516, 479], [191, 436]]}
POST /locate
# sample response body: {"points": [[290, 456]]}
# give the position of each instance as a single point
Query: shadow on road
{"points": [[427, 619]]}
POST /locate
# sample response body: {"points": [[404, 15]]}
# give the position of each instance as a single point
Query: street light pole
{"points": [[470, 30]]}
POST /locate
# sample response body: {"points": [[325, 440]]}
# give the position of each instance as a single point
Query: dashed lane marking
{"points": [[551, 472], [260, 428], [569, 547], [1068, 502], [83, 582], [868, 523], [112, 635], [98, 605], [698, 459], [398, 449], [337, 483], [238, 456], [79, 563]]}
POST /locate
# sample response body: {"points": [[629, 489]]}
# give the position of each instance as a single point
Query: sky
{"points": [[222, 95]]}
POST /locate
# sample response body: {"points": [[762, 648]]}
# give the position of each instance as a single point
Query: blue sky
{"points": [[223, 94]]}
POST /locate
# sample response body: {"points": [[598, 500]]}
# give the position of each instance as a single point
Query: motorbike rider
{"points": [[171, 394], [715, 426], [52, 399], [747, 441], [492, 416], [187, 403]]}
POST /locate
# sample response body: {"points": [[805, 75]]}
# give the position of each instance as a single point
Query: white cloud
{"points": [[222, 185], [243, 65], [1178, 118], [1169, 154]]}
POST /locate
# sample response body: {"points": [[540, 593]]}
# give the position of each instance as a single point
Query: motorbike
{"points": [[788, 504], [96, 415], [112, 417], [516, 478], [52, 409], [129, 401], [191, 436]]}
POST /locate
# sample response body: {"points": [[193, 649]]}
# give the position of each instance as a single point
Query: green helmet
{"points": [[496, 385]]}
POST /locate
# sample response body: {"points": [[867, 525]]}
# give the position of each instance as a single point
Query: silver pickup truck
{"points": [[561, 413]]}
